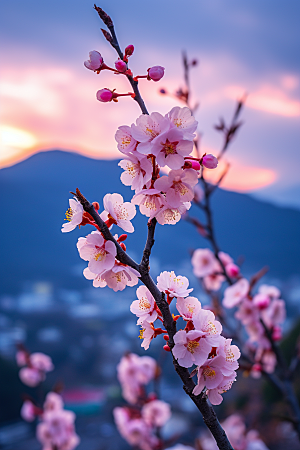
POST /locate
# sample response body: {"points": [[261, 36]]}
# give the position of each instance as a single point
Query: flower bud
{"points": [[120, 66], [95, 62], [166, 348], [261, 301], [196, 165], [156, 72], [256, 370], [232, 270], [104, 95], [129, 50], [209, 161]]}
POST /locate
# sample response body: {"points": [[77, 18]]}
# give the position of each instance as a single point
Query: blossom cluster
{"points": [[34, 367], [261, 314], [56, 427], [200, 343], [138, 423]]}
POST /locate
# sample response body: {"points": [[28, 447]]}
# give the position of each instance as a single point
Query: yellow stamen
{"points": [[192, 345]]}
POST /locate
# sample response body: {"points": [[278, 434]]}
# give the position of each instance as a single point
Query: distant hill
{"points": [[34, 198]]}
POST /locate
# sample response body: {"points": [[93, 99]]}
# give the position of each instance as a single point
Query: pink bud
{"points": [[120, 66], [196, 165], [232, 270], [261, 301], [95, 62], [276, 334], [256, 370], [210, 161], [156, 73], [104, 95], [21, 358], [129, 50]]}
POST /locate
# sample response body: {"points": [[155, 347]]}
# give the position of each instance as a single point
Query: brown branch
{"points": [[207, 411], [115, 44]]}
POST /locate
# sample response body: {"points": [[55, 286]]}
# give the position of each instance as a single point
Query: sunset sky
{"points": [[48, 97]]}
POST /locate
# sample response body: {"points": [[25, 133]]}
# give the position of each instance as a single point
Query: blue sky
{"points": [[241, 46]]}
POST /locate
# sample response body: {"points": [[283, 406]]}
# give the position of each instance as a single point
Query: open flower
{"points": [[190, 348], [156, 413], [144, 307], [203, 262], [182, 119], [100, 253], [148, 128], [150, 201], [137, 172], [211, 329], [188, 307], [176, 286], [233, 295], [118, 212], [210, 374], [73, 216], [126, 143], [170, 149], [178, 186], [146, 334]]}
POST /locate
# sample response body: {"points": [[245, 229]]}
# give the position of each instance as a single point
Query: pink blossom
{"points": [[181, 447], [210, 374], [215, 396], [182, 119], [175, 286], [57, 430], [119, 212], [156, 73], [117, 278], [146, 334], [73, 216], [104, 95], [148, 129], [225, 258], [42, 362], [134, 430], [136, 173], [190, 348], [100, 253], [204, 321], [120, 66], [178, 186], [213, 282], [234, 294], [144, 307], [95, 61], [28, 411], [210, 161], [275, 314], [170, 149], [134, 372], [230, 353], [270, 291], [232, 270], [150, 201], [247, 312], [53, 401], [30, 376], [170, 216], [203, 262], [188, 307], [261, 301], [126, 143], [156, 413]]}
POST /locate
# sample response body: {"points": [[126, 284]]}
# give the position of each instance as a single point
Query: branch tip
{"points": [[104, 17]]}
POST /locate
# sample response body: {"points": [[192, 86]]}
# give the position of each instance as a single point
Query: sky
{"points": [[48, 97]]}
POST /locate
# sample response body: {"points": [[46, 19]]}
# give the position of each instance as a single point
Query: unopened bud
{"points": [[120, 66], [103, 16], [261, 301], [232, 270], [104, 95], [156, 72], [129, 50], [167, 348], [96, 206], [196, 165], [163, 91], [210, 161], [107, 35], [95, 61], [277, 333]]}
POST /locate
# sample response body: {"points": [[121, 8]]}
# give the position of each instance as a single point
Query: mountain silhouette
{"points": [[34, 198]]}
